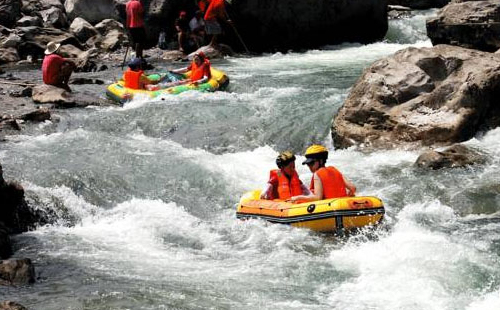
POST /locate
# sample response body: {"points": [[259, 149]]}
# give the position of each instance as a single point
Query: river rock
{"points": [[27, 21], [54, 17], [419, 4], [455, 156], [105, 26], [13, 40], [10, 305], [17, 272], [472, 24], [5, 243], [421, 96], [8, 55], [46, 94], [10, 11], [91, 10], [35, 39], [82, 29]]}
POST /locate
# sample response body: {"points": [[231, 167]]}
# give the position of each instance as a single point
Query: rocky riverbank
{"points": [[430, 96]]}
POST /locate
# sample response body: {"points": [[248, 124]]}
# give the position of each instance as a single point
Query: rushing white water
{"points": [[144, 199]]}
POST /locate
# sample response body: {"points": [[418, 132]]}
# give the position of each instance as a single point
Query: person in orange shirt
{"points": [[135, 25], [200, 70], [134, 77], [327, 182], [215, 11], [284, 182]]}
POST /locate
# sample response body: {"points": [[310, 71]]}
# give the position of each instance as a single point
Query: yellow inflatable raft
{"points": [[119, 93], [328, 215]]}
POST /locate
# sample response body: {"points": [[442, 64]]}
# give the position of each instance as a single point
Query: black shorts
{"points": [[137, 35]]}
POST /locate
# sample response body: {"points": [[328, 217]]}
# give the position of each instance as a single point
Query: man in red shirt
{"points": [[135, 25], [56, 70], [216, 10]]}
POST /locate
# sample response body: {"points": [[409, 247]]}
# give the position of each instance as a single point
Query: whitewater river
{"points": [[144, 195]]}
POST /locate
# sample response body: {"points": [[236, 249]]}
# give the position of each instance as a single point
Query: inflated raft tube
{"points": [[119, 93], [329, 215]]}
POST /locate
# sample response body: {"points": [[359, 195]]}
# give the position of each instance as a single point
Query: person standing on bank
{"points": [[284, 182], [216, 11], [56, 70], [135, 26], [327, 182]]}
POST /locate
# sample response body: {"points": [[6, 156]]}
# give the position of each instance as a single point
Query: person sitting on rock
{"points": [[327, 182], [284, 182], [200, 70], [134, 77], [56, 70]]}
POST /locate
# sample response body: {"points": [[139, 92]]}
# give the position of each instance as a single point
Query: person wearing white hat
{"points": [[56, 70]]}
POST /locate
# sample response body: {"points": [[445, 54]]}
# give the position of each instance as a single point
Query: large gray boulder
{"points": [[471, 24], [90, 10], [27, 21], [8, 55], [35, 39], [17, 272], [10, 11], [419, 4], [82, 29], [54, 17], [427, 96]]}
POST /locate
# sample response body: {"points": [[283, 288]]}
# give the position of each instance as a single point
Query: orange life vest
{"points": [[286, 187], [332, 181], [198, 72], [132, 78]]}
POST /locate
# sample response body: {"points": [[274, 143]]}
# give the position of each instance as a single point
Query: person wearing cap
{"points": [[56, 70], [327, 182], [284, 182], [200, 70], [134, 76], [135, 25], [216, 11]]}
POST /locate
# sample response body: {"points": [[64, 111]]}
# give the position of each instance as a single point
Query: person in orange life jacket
{"points": [[284, 182], [215, 12], [327, 182], [134, 77], [200, 70]]}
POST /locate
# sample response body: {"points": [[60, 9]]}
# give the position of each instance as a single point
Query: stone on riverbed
{"points": [[455, 156]]}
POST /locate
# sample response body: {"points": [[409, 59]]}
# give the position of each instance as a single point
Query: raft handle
{"points": [[311, 208]]}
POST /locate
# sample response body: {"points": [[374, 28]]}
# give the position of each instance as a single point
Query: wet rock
{"points": [[25, 92], [421, 96], [419, 4], [90, 10], [5, 243], [27, 21], [17, 272], [10, 11], [82, 29], [81, 80], [46, 94], [10, 305], [39, 115], [472, 24], [455, 156], [399, 12]]}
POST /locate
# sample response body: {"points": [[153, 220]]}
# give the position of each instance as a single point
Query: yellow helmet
{"points": [[314, 152], [284, 158]]}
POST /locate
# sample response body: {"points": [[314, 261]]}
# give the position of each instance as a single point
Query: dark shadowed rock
{"points": [[13, 40], [419, 4], [10, 305], [10, 11], [8, 55], [54, 17], [17, 272], [427, 96], [472, 24], [455, 156], [35, 39], [5, 243]]}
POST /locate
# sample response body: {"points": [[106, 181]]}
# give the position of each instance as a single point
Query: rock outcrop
{"points": [[455, 156], [420, 4], [427, 96], [10, 305], [471, 24]]}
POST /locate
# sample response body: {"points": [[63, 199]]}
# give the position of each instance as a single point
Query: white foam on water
{"points": [[412, 267]]}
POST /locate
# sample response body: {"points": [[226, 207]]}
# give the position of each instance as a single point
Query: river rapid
{"points": [[144, 198]]}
